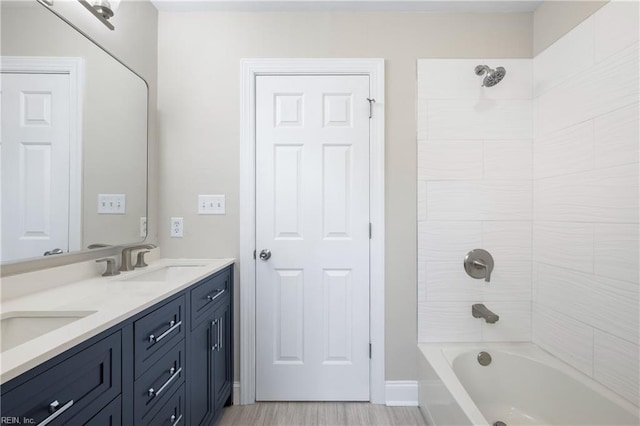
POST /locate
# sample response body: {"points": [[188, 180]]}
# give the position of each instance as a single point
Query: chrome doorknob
{"points": [[265, 254]]}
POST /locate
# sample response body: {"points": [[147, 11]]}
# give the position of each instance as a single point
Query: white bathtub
{"points": [[523, 385]]}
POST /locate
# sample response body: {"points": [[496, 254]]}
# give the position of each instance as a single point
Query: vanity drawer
{"points": [[161, 380], [172, 413], [111, 415], [157, 332], [88, 379], [208, 294]]}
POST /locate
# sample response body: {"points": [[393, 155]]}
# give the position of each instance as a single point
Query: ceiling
{"points": [[476, 6]]}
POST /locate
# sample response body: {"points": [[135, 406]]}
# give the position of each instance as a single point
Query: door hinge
{"points": [[254, 255], [371, 102], [369, 350], [370, 230]]}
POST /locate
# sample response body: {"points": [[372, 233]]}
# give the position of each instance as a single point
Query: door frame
{"points": [[250, 69], [74, 68]]}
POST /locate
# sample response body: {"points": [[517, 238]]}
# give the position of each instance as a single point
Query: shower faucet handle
{"points": [[478, 264]]}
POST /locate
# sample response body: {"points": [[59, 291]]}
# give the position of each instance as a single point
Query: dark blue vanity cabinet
{"points": [[171, 365], [211, 349]]}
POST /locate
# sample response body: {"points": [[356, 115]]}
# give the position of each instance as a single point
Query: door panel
{"points": [[312, 210], [35, 189]]}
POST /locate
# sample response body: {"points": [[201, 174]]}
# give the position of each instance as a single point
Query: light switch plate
{"points": [[211, 204], [112, 203], [176, 227]]}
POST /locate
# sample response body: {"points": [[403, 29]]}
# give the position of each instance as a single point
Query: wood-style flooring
{"points": [[320, 414]]}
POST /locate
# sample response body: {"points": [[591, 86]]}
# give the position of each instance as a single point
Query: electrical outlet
{"points": [[211, 204], [176, 227], [112, 203], [143, 226]]}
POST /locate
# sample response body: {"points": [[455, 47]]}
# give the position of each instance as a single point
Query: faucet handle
{"points": [[479, 264], [140, 263], [111, 266]]}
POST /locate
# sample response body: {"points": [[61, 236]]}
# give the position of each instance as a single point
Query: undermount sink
{"points": [[166, 273], [20, 327]]}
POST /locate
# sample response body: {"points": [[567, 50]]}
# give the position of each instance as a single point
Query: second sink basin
{"points": [[166, 273], [20, 327]]}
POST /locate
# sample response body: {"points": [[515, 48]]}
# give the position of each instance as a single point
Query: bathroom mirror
{"points": [[73, 142]]}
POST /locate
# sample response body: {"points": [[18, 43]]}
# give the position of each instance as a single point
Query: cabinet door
{"points": [[201, 371], [222, 354]]}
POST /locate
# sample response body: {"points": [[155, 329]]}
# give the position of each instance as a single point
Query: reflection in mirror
{"points": [[73, 142]]}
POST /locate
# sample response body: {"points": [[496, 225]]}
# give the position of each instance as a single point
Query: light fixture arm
{"points": [[100, 12]]}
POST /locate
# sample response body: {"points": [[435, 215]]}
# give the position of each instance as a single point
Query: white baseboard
{"points": [[401, 393], [397, 393], [236, 393]]}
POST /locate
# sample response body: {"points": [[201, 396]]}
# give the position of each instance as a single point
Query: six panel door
{"points": [[312, 213]]}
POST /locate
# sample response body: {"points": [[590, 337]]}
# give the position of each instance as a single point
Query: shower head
{"points": [[493, 77]]}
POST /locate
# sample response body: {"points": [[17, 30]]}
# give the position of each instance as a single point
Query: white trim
{"points": [[236, 393], [250, 68], [401, 393], [74, 67]]}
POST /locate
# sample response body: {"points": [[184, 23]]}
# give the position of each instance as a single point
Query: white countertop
{"points": [[113, 300]]}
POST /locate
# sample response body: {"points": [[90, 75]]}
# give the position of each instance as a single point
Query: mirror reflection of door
{"points": [[36, 167]]}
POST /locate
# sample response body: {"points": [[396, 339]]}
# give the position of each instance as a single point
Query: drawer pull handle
{"points": [[174, 373], [217, 294], [172, 326], [55, 411], [220, 334], [215, 346], [174, 421]]}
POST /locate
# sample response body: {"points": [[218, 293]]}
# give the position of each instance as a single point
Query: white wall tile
{"points": [[615, 307], [604, 303], [609, 85], [617, 137], [509, 281], [616, 27], [571, 54], [568, 150], [508, 242], [456, 79], [616, 251], [422, 281], [565, 244], [563, 290], [606, 195], [448, 281], [447, 322], [422, 201], [569, 340], [448, 241], [479, 200], [514, 324], [479, 119], [507, 159], [442, 160], [422, 119], [616, 364]]}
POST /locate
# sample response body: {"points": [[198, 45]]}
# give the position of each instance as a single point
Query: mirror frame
{"points": [[37, 263]]}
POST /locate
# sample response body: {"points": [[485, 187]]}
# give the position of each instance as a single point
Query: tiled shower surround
{"points": [[541, 171]]}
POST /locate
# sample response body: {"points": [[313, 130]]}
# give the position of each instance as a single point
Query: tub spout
{"points": [[480, 311]]}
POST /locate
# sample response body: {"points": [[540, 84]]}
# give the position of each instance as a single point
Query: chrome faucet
{"points": [[126, 264], [478, 310]]}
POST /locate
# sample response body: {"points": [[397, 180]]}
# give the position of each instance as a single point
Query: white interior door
{"points": [[312, 213], [35, 164]]}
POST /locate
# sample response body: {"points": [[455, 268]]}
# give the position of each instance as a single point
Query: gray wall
{"points": [[199, 76]]}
